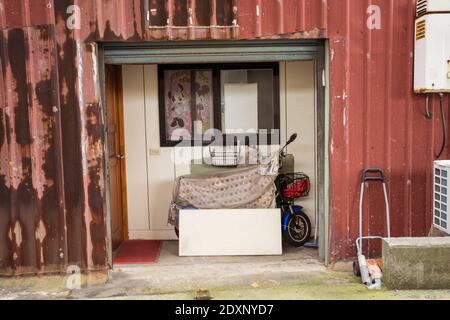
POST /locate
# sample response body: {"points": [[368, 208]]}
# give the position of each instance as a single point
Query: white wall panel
{"points": [[161, 169], [300, 99], [135, 147]]}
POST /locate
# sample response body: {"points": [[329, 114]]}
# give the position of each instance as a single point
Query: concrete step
{"points": [[416, 263]]}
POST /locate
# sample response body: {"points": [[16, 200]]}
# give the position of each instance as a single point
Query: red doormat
{"points": [[138, 252]]}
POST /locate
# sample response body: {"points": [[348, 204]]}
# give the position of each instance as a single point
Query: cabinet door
{"points": [[135, 149]]}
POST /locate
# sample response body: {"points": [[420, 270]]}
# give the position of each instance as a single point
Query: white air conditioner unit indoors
{"points": [[432, 47], [441, 196]]}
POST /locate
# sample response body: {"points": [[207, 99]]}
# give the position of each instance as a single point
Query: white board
{"points": [[241, 107], [230, 232]]}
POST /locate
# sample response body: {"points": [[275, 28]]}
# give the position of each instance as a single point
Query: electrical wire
{"points": [[428, 114], [444, 127]]}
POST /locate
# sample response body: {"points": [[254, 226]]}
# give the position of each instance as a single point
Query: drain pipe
{"points": [[444, 126]]}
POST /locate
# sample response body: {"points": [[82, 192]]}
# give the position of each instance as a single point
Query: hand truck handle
{"points": [[373, 174]]}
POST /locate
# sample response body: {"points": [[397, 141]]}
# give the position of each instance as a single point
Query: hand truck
{"points": [[360, 267]]}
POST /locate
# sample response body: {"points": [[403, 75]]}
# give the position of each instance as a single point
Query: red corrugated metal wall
{"points": [[376, 120], [52, 204]]}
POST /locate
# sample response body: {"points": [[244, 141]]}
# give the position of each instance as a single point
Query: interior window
{"points": [[238, 99]]}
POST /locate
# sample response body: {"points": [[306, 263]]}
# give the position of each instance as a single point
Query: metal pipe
{"points": [[428, 114], [364, 269], [388, 214], [361, 197], [444, 126]]}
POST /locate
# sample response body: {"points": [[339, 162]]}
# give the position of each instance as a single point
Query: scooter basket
{"points": [[224, 156], [294, 185]]}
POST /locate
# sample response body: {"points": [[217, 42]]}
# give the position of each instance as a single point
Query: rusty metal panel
{"points": [[30, 210], [117, 20], [82, 144], [191, 19], [285, 18], [52, 193], [376, 120], [16, 14]]}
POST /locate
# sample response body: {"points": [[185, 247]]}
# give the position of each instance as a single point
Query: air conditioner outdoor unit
{"points": [[432, 47], [432, 6], [441, 196]]}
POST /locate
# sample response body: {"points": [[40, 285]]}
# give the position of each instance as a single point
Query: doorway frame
{"points": [[180, 52]]}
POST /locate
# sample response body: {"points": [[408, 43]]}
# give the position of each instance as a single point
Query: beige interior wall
{"points": [[151, 170], [298, 114]]}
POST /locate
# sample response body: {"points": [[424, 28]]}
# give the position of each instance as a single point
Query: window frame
{"points": [[216, 69]]}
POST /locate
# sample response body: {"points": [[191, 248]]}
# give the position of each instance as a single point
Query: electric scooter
{"points": [[290, 187]]}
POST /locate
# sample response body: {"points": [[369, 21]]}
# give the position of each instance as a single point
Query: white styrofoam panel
{"points": [[230, 232]]}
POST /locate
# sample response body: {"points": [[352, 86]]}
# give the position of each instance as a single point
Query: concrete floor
{"points": [[297, 274], [174, 274], [174, 271]]}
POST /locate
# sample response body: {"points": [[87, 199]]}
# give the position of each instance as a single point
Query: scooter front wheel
{"points": [[298, 230]]}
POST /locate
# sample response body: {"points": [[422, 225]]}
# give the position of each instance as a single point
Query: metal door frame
{"points": [[157, 52]]}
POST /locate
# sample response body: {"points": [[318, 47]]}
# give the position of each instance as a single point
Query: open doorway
{"points": [[144, 166], [141, 166]]}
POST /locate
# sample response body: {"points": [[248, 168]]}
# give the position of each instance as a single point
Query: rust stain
{"points": [[97, 226], [50, 229], [74, 201]]}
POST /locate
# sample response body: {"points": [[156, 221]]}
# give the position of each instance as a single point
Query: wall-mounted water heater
{"points": [[432, 48]]}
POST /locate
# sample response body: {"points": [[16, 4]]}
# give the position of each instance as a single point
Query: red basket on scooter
{"points": [[295, 185]]}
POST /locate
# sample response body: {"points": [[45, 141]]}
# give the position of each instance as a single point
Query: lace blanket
{"points": [[242, 188]]}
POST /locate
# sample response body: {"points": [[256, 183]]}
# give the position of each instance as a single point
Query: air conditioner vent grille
{"points": [[421, 29], [441, 201], [422, 8]]}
